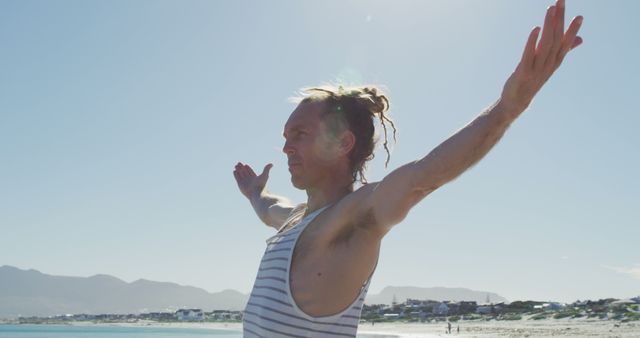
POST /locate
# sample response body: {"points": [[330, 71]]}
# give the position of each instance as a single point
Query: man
{"points": [[316, 270]]}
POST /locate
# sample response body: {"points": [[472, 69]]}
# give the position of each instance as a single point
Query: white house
{"points": [[189, 314], [553, 306]]}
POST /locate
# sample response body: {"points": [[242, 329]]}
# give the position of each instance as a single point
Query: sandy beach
{"points": [[518, 328], [473, 328]]}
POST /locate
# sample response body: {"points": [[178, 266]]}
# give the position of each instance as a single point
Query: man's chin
{"points": [[297, 183]]}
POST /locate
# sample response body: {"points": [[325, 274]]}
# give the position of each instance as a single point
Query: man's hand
{"points": [[271, 209], [248, 182], [539, 62]]}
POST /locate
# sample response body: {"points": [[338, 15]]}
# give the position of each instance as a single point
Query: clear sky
{"points": [[121, 123]]}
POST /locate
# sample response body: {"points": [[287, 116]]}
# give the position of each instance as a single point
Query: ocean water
{"points": [[68, 331], [64, 331]]}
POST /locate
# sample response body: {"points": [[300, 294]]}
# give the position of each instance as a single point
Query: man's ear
{"points": [[347, 142]]}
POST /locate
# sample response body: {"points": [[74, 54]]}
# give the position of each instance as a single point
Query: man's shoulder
{"points": [[353, 203], [352, 211], [355, 199]]}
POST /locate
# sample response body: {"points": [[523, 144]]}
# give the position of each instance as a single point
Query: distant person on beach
{"points": [[316, 269]]}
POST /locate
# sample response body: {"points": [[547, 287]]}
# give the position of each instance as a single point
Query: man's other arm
{"points": [[271, 209]]}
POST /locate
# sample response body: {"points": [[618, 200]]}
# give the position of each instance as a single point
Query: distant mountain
{"points": [[401, 294], [32, 293]]}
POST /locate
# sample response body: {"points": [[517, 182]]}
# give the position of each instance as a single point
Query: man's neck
{"points": [[319, 197]]}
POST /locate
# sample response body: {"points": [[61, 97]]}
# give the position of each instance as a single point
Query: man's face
{"points": [[311, 151]]}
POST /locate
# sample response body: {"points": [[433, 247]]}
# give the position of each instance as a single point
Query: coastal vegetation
{"points": [[411, 311], [429, 311]]}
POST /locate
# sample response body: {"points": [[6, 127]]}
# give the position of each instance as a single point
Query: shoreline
{"points": [[468, 328]]}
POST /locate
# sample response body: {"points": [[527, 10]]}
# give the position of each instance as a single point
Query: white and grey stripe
{"points": [[271, 311]]}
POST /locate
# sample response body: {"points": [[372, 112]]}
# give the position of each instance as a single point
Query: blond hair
{"points": [[353, 108]]}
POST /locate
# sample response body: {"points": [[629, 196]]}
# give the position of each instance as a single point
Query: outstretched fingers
{"points": [[243, 171], [546, 40], [542, 55], [558, 32], [528, 56], [240, 170], [571, 39], [250, 171]]}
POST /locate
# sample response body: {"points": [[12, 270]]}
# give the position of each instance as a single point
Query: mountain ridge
{"points": [[438, 293], [33, 293]]}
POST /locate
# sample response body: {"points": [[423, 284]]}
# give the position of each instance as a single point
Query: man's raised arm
{"points": [[391, 199], [271, 209]]}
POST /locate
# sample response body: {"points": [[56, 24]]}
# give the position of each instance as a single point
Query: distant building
{"points": [[223, 315], [158, 316], [454, 308], [579, 303], [442, 309], [484, 310], [413, 303], [553, 306], [621, 304], [467, 307], [189, 314]]}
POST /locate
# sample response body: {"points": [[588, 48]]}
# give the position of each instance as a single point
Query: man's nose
{"points": [[287, 149]]}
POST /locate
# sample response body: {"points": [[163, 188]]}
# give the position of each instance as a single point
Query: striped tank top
{"points": [[271, 311]]}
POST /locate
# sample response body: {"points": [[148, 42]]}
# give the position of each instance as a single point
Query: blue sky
{"points": [[121, 122]]}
